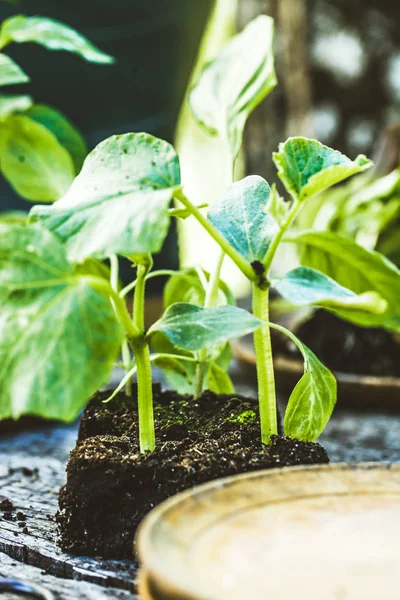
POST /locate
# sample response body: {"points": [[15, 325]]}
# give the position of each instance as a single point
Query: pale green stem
{"points": [[143, 366], [127, 362], [125, 352], [210, 300], [217, 236], [265, 367], [160, 273], [278, 238]]}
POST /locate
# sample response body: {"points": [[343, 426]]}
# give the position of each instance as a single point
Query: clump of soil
{"points": [[345, 347], [111, 486]]}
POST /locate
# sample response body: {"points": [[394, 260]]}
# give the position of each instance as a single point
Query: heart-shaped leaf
{"points": [[118, 203], [52, 35], [307, 167], [67, 135], [307, 287], [235, 82], [356, 268], [242, 218], [313, 399], [53, 324], [33, 161], [10, 72], [193, 328]]}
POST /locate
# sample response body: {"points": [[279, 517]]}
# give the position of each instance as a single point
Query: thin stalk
{"points": [[294, 209], [217, 236], [125, 352], [127, 362], [210, 300], [131, 286], [143, 366], [265, 367]]}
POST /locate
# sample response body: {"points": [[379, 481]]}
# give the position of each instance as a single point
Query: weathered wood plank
{"points": [[32, 470], [62, 589]]}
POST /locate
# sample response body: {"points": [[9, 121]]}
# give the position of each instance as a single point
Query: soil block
{"points": [[111, 486]]}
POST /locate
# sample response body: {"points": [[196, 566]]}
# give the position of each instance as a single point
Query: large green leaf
{"points": [[193, 328], [235, 82], [356, 268], [307, 167], [241, 216], [52, 35], [67, 135], [59, 336], [12, 103], [118, 203], [33, 161], [10, 72], [313, 399], [307, 287]]}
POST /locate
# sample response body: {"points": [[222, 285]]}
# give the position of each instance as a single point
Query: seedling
{"points": [[40, 150], [64, 320]]}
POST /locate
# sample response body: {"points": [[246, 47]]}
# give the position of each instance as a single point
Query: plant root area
{"points": [[111, 486]]}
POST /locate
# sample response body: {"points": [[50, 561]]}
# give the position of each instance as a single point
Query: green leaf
{"points": [[180, 377], [33, 161], [118, 203], [59, 336], [241, 216], [218, 380], [51, 34], [235, 82], [67, 135], [307, 167], [312, 401], [10, 72], [356, 268], [194, 328], [307, 287], [14, 217], [12, 103]]}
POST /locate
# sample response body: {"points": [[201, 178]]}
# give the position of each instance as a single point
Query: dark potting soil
{"points": [[111, 486], [345, 347]]}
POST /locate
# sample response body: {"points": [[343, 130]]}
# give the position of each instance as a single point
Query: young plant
{"points": [[250, 222], [40, 150], [63, 317]]}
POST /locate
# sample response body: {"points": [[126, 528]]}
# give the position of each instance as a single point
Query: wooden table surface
{"points": [[32, 469]]}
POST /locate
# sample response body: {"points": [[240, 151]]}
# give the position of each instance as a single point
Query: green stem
{"points": [[143, 365], [278, 238], [160, 273], [265, 367], [217, 236], [127, 362], [210, 300]]}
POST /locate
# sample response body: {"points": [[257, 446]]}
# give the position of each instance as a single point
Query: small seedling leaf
{"points": [[118, 203], [235, 82], [307, 287], [51, 34], [312, 401], [12, 103], [218, 380], [67, 135], [356, 268], [242, 218], [33, 161], [54, 324], [307, 167], [10, 72], [193, 328]]}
